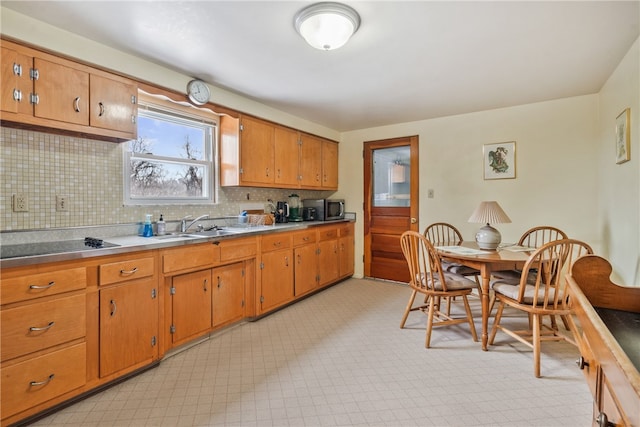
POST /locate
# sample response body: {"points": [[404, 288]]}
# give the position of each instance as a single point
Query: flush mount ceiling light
{"points": [[327, 25]]}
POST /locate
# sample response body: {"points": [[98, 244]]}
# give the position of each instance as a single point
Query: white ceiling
{"points": [[410, 60]]}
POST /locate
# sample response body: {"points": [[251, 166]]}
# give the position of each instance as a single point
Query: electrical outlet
{"points": [[62, 203], [20, 203]]}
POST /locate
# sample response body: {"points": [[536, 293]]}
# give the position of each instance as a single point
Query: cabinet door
{"points": [[191, 305], [306, 269], [228, 293], [310, 162], [256, 152], [346, 246], [16, 84], [330, 165], [128, 325], [328, 262], [63, 92], [113, 104], [277, 279], [286, 157]]}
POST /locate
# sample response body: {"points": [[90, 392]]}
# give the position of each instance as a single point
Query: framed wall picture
{"points": [[623, 137], [499, 160]]}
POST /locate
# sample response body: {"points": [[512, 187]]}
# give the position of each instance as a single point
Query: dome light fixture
{"points": [[327, 25]]}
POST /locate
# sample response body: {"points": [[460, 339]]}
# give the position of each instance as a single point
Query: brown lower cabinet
{"points": [[93, 321]]}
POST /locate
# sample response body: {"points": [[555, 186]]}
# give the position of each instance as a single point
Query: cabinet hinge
{"points": [[172, 329], [134, 99], [153, 293], [133, 119], [172, 290], [242, 305], [17, 69], [317, 251], [243, 272], [262, 266], [241, 170], [153, 341], [241, 127], [261, 299], [34, 74], [299, 141], [34, 98]]}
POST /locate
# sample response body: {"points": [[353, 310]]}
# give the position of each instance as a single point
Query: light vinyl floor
{"points": [[339, 358]]}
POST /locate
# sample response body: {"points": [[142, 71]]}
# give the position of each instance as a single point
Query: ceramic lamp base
{"points": [[488, 238]]}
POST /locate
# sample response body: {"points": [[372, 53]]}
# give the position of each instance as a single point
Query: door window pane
{"points": [[391, 177]]}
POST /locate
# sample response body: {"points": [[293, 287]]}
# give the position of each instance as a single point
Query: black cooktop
{"points": [[624, 327], [50, 248]]}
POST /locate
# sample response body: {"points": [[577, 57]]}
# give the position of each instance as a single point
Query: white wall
{"points": [[619, 185], [556, 156]]}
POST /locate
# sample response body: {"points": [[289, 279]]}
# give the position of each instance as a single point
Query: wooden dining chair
{"points": [[429, 278], [444, 234], [544, 296], [533, 238]]}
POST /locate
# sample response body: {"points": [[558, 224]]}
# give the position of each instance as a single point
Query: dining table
{"points": [[506, 257]]}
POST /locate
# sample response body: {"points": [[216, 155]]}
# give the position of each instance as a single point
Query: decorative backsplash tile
{"points": [[89, 173]]}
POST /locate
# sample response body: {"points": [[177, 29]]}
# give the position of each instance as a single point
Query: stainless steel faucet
{"points": [[183, 222]]}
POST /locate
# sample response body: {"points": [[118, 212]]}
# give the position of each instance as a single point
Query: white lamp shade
{"points": [[327, 26], [489, 213]]}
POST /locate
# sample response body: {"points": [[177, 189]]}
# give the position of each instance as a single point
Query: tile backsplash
{"points": [[89, 173]]}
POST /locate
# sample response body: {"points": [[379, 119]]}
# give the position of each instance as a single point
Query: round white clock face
{"points": [[198, 92]]}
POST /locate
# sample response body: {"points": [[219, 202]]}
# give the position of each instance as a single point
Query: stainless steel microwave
{"points": [[326, 209]]}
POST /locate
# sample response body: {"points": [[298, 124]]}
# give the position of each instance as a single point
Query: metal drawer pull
{"points": [[76, 104], [17, 69], [129, 271], [17, 95], [101, 105], [41, 328], [205, 284], [37, 383], [114, 307], [42, 286]]}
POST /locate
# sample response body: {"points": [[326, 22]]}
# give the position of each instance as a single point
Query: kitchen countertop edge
{"points": [[129, 244]]}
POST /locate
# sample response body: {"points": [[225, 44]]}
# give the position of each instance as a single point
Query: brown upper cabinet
{"points": [[258, 153], [44, 91]]}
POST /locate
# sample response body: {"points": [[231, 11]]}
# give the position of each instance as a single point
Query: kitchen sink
{"points": [[177, 236], [214, 233]]}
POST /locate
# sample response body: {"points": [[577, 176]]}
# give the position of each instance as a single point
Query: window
{"points": [[172, 160]]}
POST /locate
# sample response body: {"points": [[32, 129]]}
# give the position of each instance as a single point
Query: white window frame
{"points": [[177, 114]]}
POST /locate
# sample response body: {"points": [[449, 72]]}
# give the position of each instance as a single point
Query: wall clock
{"points": [[198, 92]]}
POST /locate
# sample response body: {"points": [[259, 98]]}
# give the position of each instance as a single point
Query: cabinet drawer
{"points": [[122, 271], [37, 326], [238, 249], [37, 380], [328, 233], [346, 230], [190, 257], [43, 284], [304, 237], [272, 242]]}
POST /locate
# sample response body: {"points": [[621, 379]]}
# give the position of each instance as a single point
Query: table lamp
{"points": [[488, 238]]}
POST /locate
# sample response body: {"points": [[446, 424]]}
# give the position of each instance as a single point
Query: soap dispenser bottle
{"points": [[161, 227], [147, 231]]}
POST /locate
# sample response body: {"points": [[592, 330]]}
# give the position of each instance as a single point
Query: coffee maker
{"points": [[282, 212], [295, 208]]}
